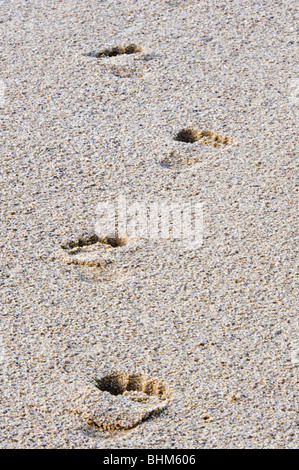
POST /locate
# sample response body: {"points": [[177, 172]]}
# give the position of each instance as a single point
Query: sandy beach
{"points": [[140, 341]]}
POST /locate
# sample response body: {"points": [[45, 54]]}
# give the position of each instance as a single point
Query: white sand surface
{"points": [[202, 342]]}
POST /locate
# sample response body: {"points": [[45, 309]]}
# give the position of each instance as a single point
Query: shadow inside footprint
{"points": [[116, 50], [121, 384], [190, 135], [88, 240]]}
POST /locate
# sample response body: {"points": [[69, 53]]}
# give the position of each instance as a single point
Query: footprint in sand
{"points": [[121, 401], [187, 156], [191, 135], [93, 251]]}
